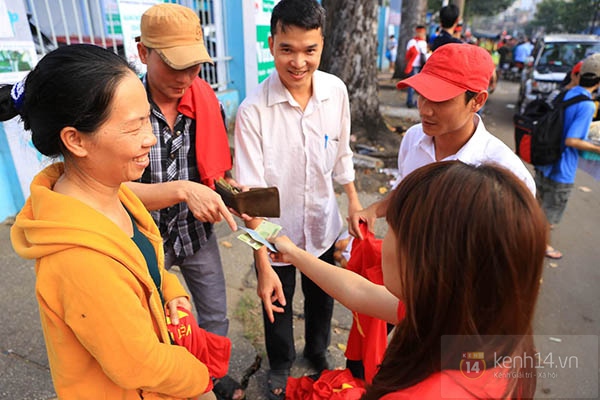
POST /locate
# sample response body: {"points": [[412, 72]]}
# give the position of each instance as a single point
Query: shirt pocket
{"points": [[330, 152]]}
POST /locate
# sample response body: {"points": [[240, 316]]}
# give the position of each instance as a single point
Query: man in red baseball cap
{"points": [[555, 181], [572, 78], [451, 87]]}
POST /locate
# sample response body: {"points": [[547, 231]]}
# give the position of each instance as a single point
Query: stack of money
{"points": [[227, 185], [258, 238]]}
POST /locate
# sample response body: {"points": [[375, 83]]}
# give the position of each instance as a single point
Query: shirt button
{"points": [[172, 156], [177, 133]]}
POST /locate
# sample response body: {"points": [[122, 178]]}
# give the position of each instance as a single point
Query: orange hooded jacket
{"points": [[103, 321]]}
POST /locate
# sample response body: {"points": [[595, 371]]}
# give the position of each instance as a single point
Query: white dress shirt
{"points": [[300, 152], [417, 149]]}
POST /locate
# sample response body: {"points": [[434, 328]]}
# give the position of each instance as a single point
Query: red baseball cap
{"points": [[452, 69], [577, 67]]}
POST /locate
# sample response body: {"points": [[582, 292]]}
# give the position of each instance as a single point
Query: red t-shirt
{"points": [[452, 384]]}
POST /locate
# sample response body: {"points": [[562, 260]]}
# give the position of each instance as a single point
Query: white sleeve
{"points": [[248, 160]]}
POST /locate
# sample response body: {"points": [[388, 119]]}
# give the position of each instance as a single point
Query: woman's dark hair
{"points": [[7, 107], [307, 14], [70, 86], [471, 244]]}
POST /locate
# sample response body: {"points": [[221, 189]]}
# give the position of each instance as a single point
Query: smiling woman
{"points": [[122, 143], [102, 290]]}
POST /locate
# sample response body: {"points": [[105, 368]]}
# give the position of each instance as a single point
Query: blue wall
{"points": [[234, 31], [381, 37], [11, 195]]}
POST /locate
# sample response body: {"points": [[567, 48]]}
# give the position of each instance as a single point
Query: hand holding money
{"points": [[284, 249]]}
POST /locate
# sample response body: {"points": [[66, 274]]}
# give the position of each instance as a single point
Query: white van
{"points": [[552, 58]]}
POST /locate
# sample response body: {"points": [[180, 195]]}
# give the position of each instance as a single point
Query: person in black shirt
{"points": [[449, 19]]}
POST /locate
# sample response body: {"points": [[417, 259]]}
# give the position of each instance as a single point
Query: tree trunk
{"points": [[413, 14], [461, 7], [351, 54]]}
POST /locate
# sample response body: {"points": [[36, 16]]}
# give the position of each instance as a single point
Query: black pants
{"points": [[318, 309]]}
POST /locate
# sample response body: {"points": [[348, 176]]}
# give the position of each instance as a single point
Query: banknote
{"points": [[258, 237], [244, 237], [267, 229]]}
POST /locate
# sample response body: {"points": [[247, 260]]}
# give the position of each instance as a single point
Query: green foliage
{"points": [[434, 5], [574, 16], [486, 7]]}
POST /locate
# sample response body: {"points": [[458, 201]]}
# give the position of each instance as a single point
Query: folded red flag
{"points": [[367, 340], [409, 58], [213, 350], [331, 385]]}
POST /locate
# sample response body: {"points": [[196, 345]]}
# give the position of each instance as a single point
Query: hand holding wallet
{"points": [[256, 202]]}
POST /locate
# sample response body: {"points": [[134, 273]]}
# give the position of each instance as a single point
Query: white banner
{"points": [[131, 14]]}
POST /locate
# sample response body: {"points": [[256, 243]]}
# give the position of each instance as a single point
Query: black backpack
{"points": [[539, 129]]}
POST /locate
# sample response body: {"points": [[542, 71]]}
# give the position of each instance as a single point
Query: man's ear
{"points": [[73, 141], [479, 100], [142, 52], [270, 40]]}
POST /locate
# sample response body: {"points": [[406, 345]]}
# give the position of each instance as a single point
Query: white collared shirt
{"points": [[300, 152], [417, 149]]}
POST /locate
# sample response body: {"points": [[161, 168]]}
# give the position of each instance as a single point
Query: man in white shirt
{"points": [[293, 132], [452, 87]]}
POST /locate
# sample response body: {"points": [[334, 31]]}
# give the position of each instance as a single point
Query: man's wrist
{"points": [[181, 190]]}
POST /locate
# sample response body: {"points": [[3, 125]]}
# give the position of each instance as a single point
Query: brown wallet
{"points": [[256, 202]]}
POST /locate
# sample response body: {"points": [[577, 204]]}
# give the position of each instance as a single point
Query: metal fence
{"points": [[56, 23]]}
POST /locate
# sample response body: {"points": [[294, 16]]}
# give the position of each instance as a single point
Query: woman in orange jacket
{"points": [[102, 290]]}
